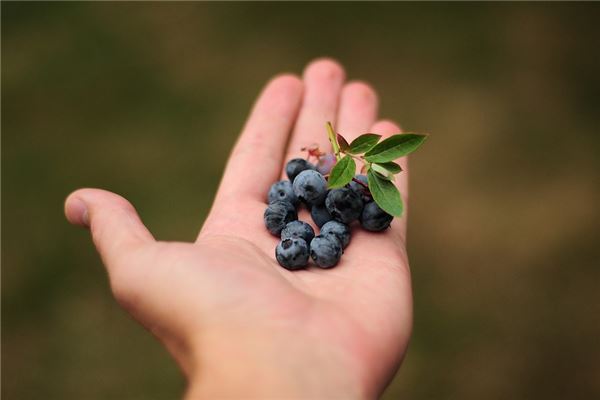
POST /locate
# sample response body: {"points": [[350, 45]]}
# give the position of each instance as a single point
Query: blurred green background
{"points": [[146, 99]]}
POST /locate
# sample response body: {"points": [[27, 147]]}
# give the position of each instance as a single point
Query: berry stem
{"points": [[360, 183], [333, 140]]}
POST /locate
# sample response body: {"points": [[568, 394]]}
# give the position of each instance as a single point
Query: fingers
{"points": [[256, 160], [323, 80], [358, 110], [115, 225], [386, 129]]}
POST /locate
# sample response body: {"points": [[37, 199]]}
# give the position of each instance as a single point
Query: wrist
{"points": [[265, 368]]}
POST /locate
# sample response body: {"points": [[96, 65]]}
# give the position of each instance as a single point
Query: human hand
{"points": [[237, 323]]}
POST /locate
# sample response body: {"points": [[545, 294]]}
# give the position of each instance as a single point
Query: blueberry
{"points": [[344, 205], [295, 166], [325, 251], [338, 230], [310, 187], [326, 163], [298, 229], [278, 214], [374, 218], [360, 189], [292, 254], [320, 215], [283, 190]]}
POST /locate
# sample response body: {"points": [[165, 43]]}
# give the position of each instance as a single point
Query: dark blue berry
{"points": [[310, 187], [278, 214], [325, 251], [344, 205], [374, 218], [338, 230], [363, 191], [292, 254], [326, 163], [283, 190], [295, 166], [298, 229], [320, 215]]}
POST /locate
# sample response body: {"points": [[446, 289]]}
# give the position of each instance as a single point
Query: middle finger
{"points": [[323, 80]]}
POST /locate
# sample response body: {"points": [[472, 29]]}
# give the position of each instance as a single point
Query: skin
{"points": [[237, 323]]}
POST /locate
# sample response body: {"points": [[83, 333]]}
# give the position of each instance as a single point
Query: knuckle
{"points": [[124, 285]]}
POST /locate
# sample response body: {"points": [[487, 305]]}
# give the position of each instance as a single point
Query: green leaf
{"points": [[383, 172], [342, 142], [342, 173], [385, 194], [391, 167], [395, 147], [363, 143]]}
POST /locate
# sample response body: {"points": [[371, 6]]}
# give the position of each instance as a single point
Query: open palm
{"points": [[223, 306]]}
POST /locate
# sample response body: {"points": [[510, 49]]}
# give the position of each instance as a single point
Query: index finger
{"points": [[256, 160]]}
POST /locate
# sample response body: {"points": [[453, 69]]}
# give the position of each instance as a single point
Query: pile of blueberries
{"points": [[331, 210]]}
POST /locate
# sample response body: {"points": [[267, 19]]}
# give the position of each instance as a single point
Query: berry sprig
{"points": [[336, 198], [377, 160]]}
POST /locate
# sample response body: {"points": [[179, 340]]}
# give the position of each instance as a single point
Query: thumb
{"points": [[115, 226]]}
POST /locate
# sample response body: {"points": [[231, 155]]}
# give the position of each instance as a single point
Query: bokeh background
{"points": [[146, 99]]}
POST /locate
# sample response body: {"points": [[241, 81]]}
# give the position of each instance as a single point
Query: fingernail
{"points": [[80, 212], [85, 218]]}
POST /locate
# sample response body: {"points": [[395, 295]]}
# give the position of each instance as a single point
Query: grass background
{"points": [[146, 99]]}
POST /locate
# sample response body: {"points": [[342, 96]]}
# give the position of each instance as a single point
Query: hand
{"points": [[236, 322]]}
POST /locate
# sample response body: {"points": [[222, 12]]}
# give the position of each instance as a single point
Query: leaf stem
{"points": [[361, 183], [333, 140], [359, 158]]}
